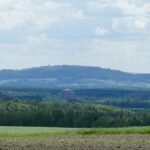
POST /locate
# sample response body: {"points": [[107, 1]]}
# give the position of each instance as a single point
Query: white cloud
{"points": [[15, 13], [54, 6], [127, 7], [101, 31], [130, 23], [130, 7], [79, 14], [45, 21], [99, 5], [141, 23], [135, 16]]}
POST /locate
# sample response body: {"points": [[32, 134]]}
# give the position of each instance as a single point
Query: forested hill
{"points": [[72, 76]]}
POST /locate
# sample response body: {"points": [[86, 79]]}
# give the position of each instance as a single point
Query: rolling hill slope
{"points": [[73, 77]]}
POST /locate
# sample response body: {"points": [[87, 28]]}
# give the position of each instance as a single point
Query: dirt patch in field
{"points": [[86, 142]]}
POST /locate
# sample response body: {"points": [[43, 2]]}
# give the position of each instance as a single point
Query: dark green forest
{"points": [[74, 107], [68, 114], [114, 97]]}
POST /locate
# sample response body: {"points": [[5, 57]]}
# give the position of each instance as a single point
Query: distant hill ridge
{"points": [[65, 75]]}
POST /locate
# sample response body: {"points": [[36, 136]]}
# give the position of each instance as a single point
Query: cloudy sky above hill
{"points": [[108, 33]]}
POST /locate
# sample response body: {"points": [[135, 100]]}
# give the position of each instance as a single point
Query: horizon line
{"points": [[73, 65]]}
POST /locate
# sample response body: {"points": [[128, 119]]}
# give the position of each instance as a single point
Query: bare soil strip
{"points": [[78, 142]]}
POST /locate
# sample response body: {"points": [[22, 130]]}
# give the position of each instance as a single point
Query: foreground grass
{"points": [[45, 131]]}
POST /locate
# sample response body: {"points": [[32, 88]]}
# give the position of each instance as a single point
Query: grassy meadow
{"points": [[46, 131]]}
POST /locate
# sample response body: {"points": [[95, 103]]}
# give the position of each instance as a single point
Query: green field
{"points": [[45, 131], [42, 138]]}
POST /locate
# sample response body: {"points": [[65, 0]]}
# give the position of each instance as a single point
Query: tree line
{"points": [[68, 114]]}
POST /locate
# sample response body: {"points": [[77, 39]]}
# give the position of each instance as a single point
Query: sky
{"points": [[106, 33]]}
